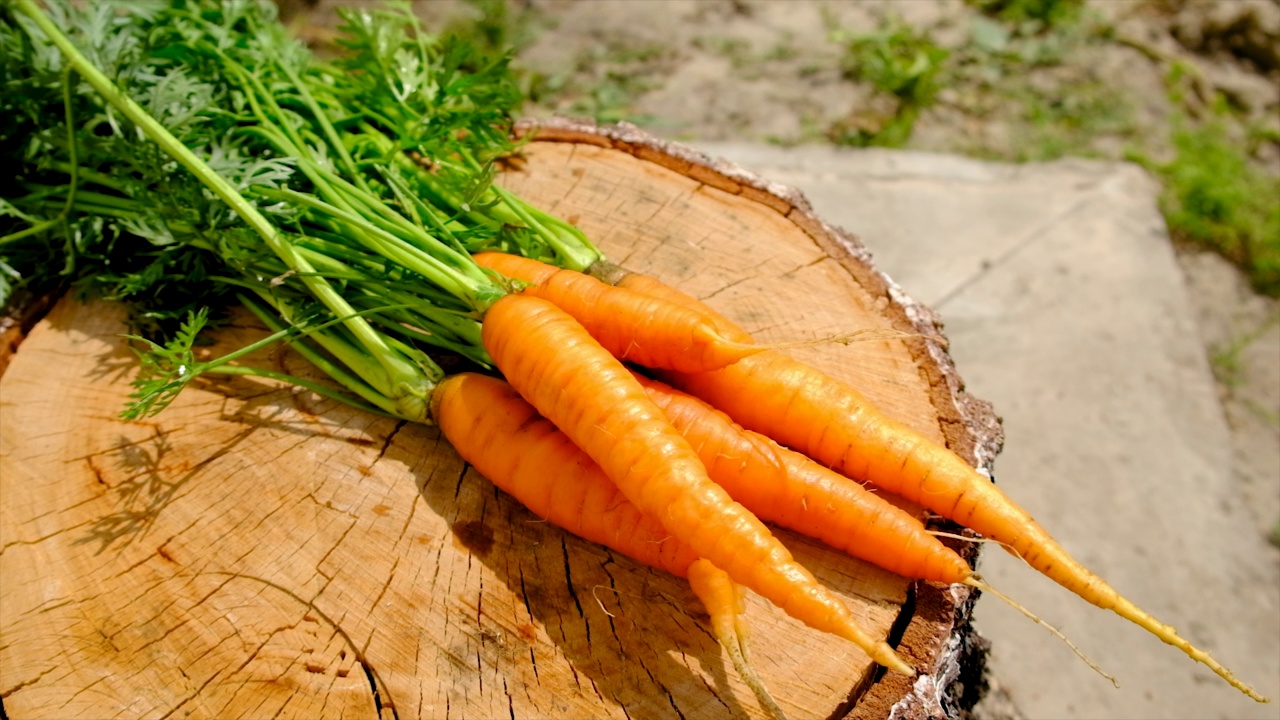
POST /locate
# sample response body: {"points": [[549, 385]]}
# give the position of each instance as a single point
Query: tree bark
{"points": [[256, 550]]}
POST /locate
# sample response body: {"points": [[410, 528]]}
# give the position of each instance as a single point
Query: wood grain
{"points": [[257, 551]]}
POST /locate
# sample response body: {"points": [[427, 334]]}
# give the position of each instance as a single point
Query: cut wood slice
{"points": [[258, 551]]}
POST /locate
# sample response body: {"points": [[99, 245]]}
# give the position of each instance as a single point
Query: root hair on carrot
{"points": [[975, 581], [742, 663], [978, 539], [846, 339]]}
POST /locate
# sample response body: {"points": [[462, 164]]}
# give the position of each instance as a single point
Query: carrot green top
{"points": [[207, 155]]}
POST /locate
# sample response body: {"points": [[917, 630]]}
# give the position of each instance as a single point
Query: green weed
{"points": [[1041, 13], [1070, 121], [1226, 360], [1215, 198], [736, 50], [903, 65], [604, 82], [743, 58], [1023, 46], [496, 27]]}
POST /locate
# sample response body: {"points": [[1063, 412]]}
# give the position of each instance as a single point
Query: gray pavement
{"points": [[1065, 308]]}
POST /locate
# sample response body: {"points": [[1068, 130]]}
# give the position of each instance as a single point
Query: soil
{"points": [[773, 71]]}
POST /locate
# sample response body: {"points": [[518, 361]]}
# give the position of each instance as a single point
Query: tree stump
{"points": [[256, 550]]}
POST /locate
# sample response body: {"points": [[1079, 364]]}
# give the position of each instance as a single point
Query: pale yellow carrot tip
{"points": [[725, 603], [974, 581], [1127, 610], [884, 655], [737, 648]]}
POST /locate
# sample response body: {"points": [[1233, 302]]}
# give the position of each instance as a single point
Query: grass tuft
{"points": [[1215, 198], [903, 65]]}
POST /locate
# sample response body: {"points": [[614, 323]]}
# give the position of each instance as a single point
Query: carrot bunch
{"points": [[768, 429]]}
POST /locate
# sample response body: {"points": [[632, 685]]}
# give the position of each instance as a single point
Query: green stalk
{"points": [[64, 215], [89, 175], [331, 134], [409, 314], [395, 248], [575, 250], [376, 401], [421, 209], [575, 254]]}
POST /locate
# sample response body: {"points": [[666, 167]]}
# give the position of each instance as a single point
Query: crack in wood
{"points": [[26, 683], [670, 698], [213, 676], [462, 476], [386, 443], [168, 554], [568, 578], [378, 704], [43, 538], [336, 544], [375, 681], [81, 691], [391, 575], [711, 689]]}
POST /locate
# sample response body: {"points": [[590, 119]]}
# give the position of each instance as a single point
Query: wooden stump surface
{"points": [[257, 551]]}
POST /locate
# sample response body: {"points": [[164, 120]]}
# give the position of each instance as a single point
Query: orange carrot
{"points": [[653, 287], [788, 489], [587, 393], [525, 455], [830, 421], [633, 326], [477, 413]]}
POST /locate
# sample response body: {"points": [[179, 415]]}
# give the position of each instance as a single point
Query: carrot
{"points": [[587, 393], [507, 441], [477, 413], [788, 489], [633, 326], [830, 421], [725, 603], [653, 287]]}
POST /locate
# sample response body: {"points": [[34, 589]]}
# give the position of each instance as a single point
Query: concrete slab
{"points": [[1065, 308]]}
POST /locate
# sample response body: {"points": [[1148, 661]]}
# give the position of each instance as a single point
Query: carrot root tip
{"points": [[975, 581]]}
